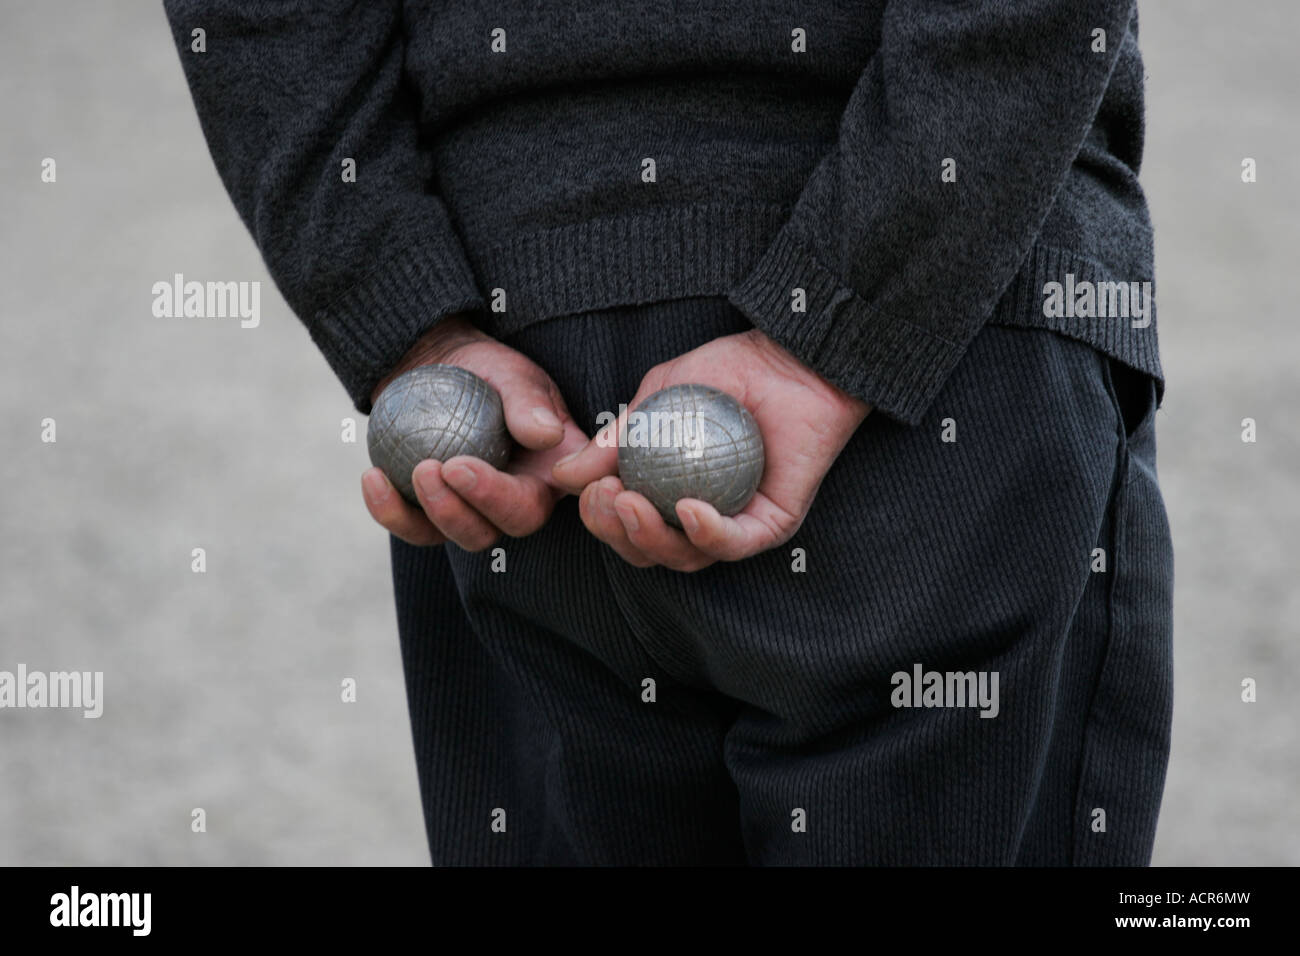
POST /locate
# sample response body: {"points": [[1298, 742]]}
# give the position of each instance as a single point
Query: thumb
{"points": [[535, 412], [595, 460], [600, 455]]}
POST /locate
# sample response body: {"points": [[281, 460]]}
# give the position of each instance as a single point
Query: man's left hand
{"points": [[805, 422]]}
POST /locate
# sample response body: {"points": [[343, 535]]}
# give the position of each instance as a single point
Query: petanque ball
{"points": [[438, 412], [716, 455]]}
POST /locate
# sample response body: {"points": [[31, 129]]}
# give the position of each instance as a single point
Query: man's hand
{"points": [[805, 422], [466, 500]]}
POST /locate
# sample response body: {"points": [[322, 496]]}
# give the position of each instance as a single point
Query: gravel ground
{"points": [[223, 688]]}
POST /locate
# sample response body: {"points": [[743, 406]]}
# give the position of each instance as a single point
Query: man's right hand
{"points": [[466, 500]]}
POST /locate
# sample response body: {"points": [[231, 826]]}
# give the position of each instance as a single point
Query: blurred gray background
{"points": [[223, 689]]}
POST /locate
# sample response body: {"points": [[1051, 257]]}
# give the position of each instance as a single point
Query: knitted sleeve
{"points": [[955, 142], [314, 135]]}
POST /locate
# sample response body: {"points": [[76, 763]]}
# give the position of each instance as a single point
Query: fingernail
{"points": [[376, 487], [546, 418], [462, 476], [569, 457], [628, 517], [689, 522]]}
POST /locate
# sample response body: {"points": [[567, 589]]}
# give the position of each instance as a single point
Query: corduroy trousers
{"points": [[963, 656]]}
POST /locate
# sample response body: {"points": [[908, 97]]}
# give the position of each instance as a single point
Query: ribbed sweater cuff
{"points": [[366, 331], [893, 365]]}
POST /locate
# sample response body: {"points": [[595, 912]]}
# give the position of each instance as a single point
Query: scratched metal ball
{"points": [[691, 441], [439, 412]]}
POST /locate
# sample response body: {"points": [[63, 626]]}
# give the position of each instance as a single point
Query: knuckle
{"points": [[444, 508], [478, 540], [528, 524], [414, 535], [632, 557], [519, 527], [599, 529], [398, 525], [500, 510]]}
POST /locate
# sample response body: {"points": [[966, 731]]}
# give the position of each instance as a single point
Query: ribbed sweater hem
{"points": [[649, 255], [738, 250]]}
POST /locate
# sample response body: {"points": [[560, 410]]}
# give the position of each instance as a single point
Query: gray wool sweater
{"points": [[870, 182]]}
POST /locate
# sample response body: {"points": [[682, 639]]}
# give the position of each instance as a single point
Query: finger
{"points": [[650, 534], [600, 457], [535, 412], [538, 463], [762, 525], [400, 518], [596, 508], [517, 504], [594, 461], [450, 513]]}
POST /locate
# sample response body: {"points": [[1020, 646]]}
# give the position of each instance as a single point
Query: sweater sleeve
{"points": [[286, 94], [899, 267]]}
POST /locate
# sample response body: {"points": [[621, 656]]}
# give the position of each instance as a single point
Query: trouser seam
{"points": [[1115, 508], [624, 602]]}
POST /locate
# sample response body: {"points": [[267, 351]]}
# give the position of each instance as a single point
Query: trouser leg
{"points": [[971, 556]]}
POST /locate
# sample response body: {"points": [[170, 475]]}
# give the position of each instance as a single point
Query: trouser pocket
{"points": [[1134, 395]]}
